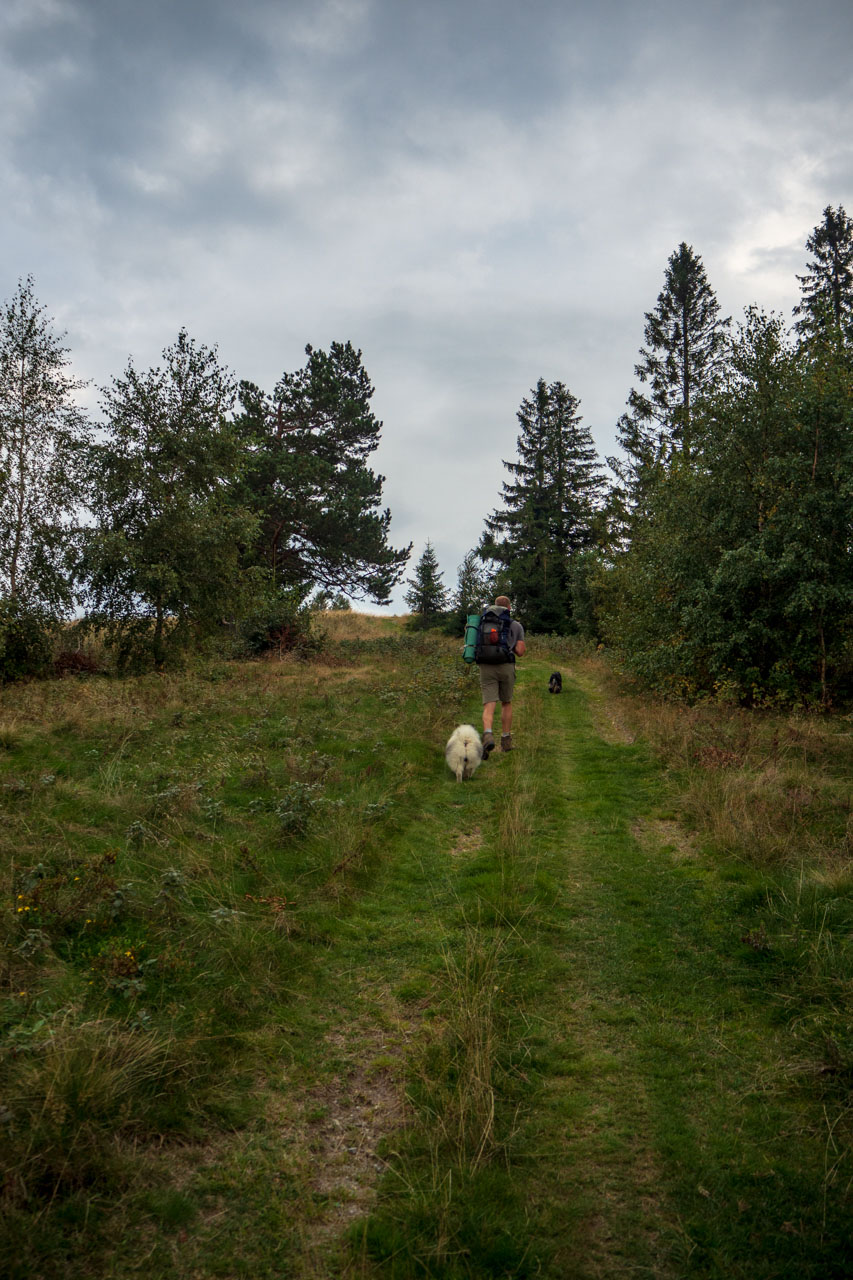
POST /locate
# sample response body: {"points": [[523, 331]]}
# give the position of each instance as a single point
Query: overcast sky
{"points": [[476, 193]]}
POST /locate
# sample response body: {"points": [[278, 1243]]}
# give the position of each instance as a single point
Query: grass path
{"points": [[667, 1137], [512, 1028], [595, 1066]]}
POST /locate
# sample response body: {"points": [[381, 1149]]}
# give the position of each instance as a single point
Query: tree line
{"points": [[197, 502], [716, 558]]}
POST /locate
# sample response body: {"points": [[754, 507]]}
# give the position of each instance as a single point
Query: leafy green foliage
{"points": [[26, 640], [162, 564], [738, 578], [275, 620]]}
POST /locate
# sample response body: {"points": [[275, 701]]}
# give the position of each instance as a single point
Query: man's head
{"points": [[502, 602]]}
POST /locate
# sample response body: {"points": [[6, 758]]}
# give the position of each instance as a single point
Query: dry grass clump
{"points": [[71, 1091]]}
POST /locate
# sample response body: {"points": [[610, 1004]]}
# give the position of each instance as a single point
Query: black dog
{"points": [[555, 684]]}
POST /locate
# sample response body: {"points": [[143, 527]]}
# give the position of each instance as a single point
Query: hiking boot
{"points": [[488, 745], [506, 742]]}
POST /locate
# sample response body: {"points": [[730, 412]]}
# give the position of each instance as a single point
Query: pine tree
{"points": [[43, 436], [685, 340], [427, 598], [550, 509], [317, 501], [827, 286]]}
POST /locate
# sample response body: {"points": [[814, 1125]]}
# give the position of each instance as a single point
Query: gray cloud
{"points": [[476, 194]]}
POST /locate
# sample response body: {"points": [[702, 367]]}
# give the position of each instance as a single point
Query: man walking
{"points": [[501, 640]]}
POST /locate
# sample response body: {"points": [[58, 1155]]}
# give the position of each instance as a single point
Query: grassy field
{"points": [[283, 999]]}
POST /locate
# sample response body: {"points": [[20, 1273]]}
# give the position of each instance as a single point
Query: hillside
{"points": [[282, 998]]}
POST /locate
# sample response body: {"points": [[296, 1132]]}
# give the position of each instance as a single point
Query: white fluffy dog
{"points": [[464, 751]]}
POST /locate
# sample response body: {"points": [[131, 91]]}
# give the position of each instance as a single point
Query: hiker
{"points": [[501, 639]]}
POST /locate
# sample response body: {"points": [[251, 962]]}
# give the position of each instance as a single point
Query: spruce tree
{"points": [[427, 597], [685, 340], [827, 286], [475, 588], [550, 507]]}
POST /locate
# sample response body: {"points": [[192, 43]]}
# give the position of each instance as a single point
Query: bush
{"points": [[280, 623], [26, 640], [74, 662], [429, 622]]}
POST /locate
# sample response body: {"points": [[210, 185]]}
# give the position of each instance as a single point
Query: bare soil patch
{"points": [[345, 1121], [466, 842]]}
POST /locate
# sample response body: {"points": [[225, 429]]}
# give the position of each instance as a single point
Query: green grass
{"points": [[288, 1000]]}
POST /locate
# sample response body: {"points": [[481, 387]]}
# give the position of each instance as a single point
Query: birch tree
{"points": [[43, 435]]}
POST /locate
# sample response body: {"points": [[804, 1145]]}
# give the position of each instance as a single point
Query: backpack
{"points": [[493, 640]]}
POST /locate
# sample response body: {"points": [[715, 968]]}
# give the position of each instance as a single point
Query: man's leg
{"points": [[488, 736], [506, 726]]}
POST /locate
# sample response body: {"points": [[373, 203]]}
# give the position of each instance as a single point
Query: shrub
{"points": [[73, 662], [280, 623], [26, 640]]}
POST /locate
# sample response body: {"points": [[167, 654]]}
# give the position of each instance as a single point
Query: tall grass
{"points": [[769, 796], [770, 789], [74, 1092], [346, 624], [180, 853], [215, 879]]}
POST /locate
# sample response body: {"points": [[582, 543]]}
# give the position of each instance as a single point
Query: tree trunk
{"points": [[19, 516], [685, 383], [159, 647]]}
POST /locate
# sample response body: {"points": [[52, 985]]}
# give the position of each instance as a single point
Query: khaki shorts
{"points": [[497, 681]]}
